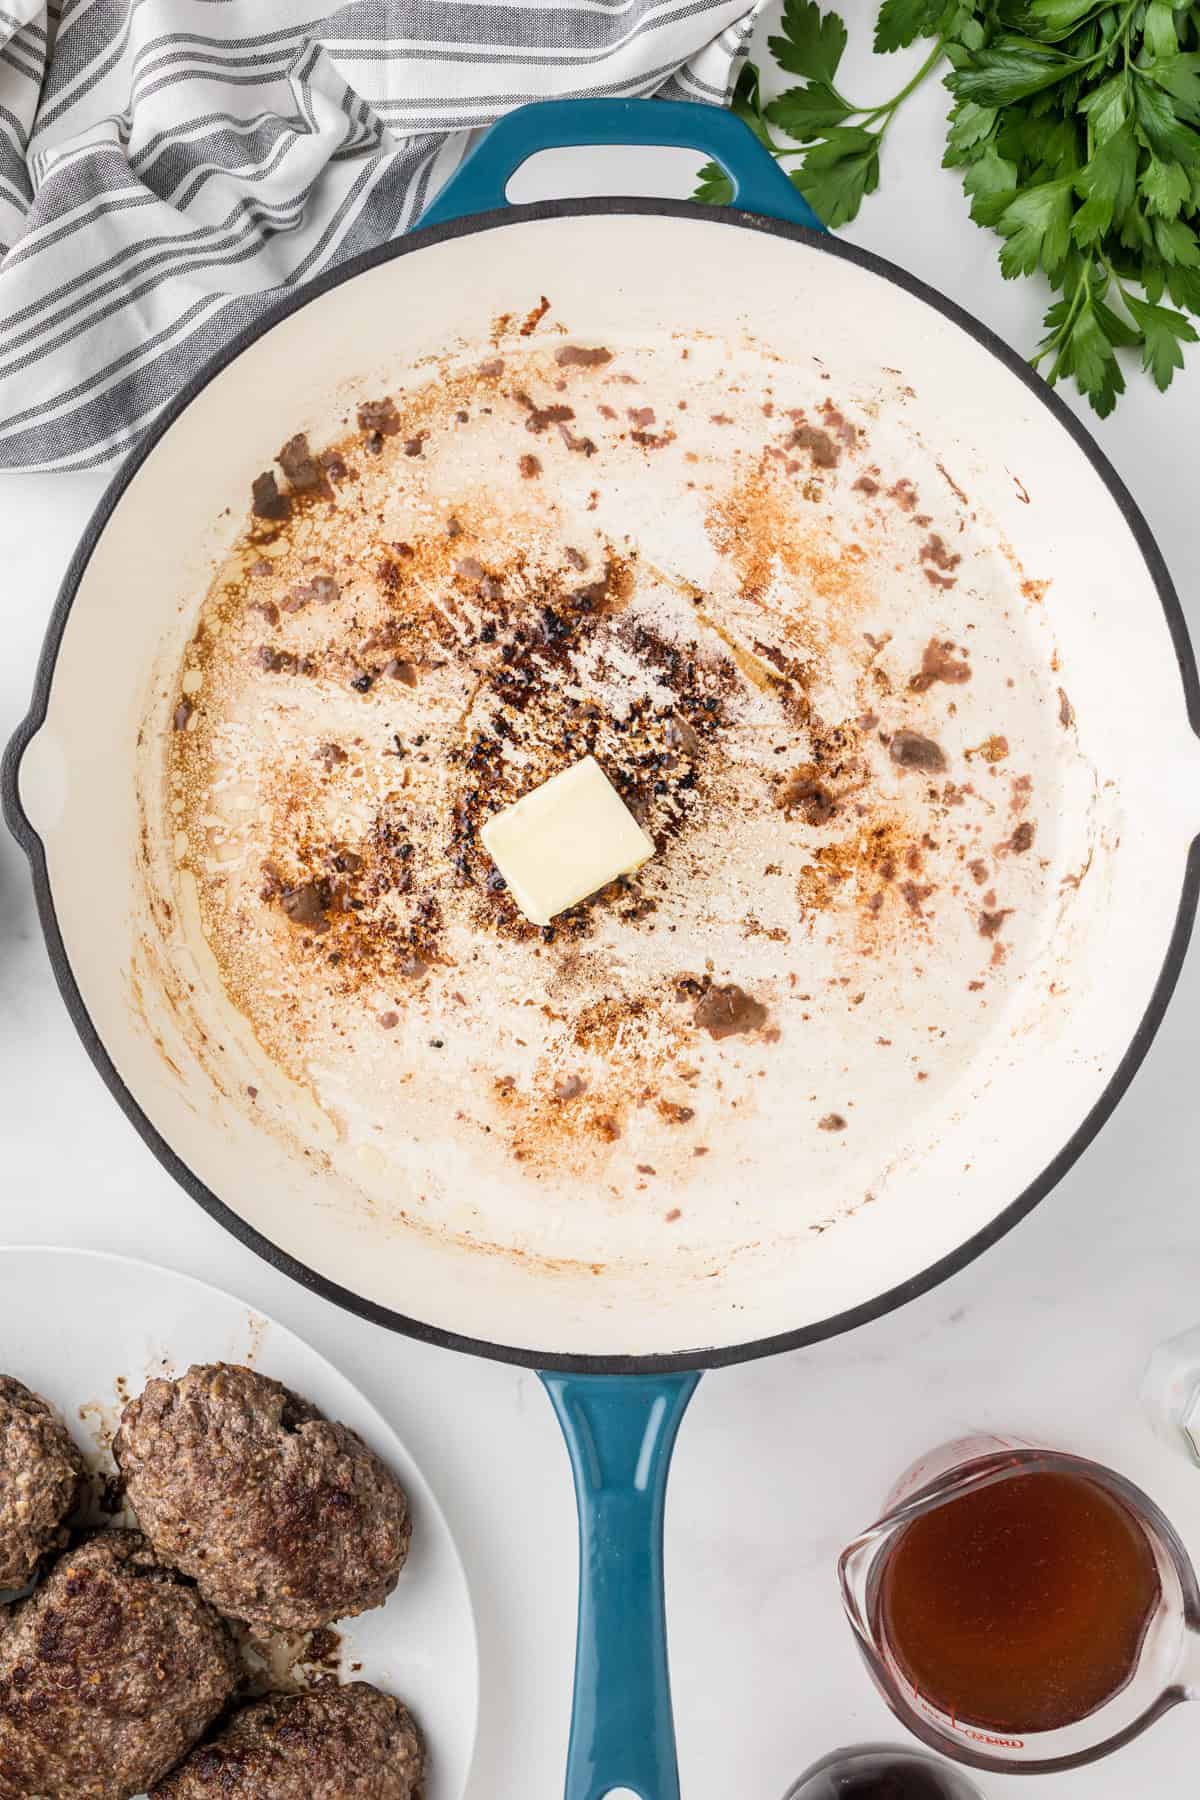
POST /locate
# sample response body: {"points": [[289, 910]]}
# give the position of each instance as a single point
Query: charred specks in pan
{"points": [[805, 792], [655, 754], [530, 651]]}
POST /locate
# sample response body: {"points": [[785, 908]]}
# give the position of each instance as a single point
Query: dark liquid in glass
{"points": [[1021, 1606], [883, 1775]]}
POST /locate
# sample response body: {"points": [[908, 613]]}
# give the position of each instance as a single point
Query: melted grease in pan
{"points": [[803, 660]]}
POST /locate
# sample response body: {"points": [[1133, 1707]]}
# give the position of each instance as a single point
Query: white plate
{"points": [[75, 1323]]}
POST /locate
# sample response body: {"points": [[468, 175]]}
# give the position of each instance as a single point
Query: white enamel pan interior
{"points": [[980, 1155]]}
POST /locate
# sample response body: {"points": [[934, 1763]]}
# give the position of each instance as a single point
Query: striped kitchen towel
{"points": [[166, 166]]}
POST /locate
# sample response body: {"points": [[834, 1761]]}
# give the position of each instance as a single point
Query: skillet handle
{"points": [[759, 184], [620, 1432]]}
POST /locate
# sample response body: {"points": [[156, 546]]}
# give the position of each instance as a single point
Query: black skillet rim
{"points": [[718, 1357]]}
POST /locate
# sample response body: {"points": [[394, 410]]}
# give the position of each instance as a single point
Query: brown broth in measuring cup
{"points": [[1020, 1606]]}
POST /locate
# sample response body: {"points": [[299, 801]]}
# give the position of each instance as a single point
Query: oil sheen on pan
{"points": [[810, 666]]}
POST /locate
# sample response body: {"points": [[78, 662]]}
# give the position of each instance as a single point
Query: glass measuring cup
{"points": [[1167, 1666]]}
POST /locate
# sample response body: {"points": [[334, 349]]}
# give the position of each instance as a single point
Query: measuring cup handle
{"points": [[759, 184], [620, 1431]]}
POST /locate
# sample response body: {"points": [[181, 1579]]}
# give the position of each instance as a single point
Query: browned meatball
{"points": [[109, 1673], [350, 1743], [282, 1518], [41, 1472]]}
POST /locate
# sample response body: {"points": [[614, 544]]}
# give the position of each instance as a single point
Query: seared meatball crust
{"points": [[283, 1519], [336, 1743], [41, 1474], [109, 1673]]}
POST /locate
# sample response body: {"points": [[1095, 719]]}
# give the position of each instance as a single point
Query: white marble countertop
{"points": [[779, 1462]]}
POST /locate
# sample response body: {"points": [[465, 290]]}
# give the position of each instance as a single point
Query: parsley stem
{"points": [[868, 114], [926, 68], [1082, 293]]}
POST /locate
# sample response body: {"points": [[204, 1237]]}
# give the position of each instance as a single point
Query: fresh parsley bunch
{"points": [[1076, 124]]}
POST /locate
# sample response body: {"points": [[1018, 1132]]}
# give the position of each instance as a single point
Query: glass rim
{"points": [[988, 1470]]}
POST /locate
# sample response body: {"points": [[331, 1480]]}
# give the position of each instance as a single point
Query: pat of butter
{"points": [[564, 840]]}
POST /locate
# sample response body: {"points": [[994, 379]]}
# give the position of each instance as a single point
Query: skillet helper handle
{"points": [[759, 184], [620, 1432]]}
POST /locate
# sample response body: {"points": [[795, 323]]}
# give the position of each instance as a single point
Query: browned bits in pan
{"points": [[534, 317], [301, 466], [940, 662], [379, 416], [577, 356], [266, 499], [465, 638], [728, 1011], [911, 750]]}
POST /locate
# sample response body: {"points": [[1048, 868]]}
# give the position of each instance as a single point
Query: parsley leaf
{"points": [[1090, 357], [1051, 19], [1162, 38], [807, 112], [812, 41], [1076, 126], [1183, 285], [1176, 243], [1160, 126], [901, 22], [1106, 184], [991, 182], [970, 125], [1165, 187], [1164, 334], [746, 103], [837, 174], [1106, 108], [1037, 229], [1012, 70], [1116, 329], [1180, 76], [713, 186]]}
